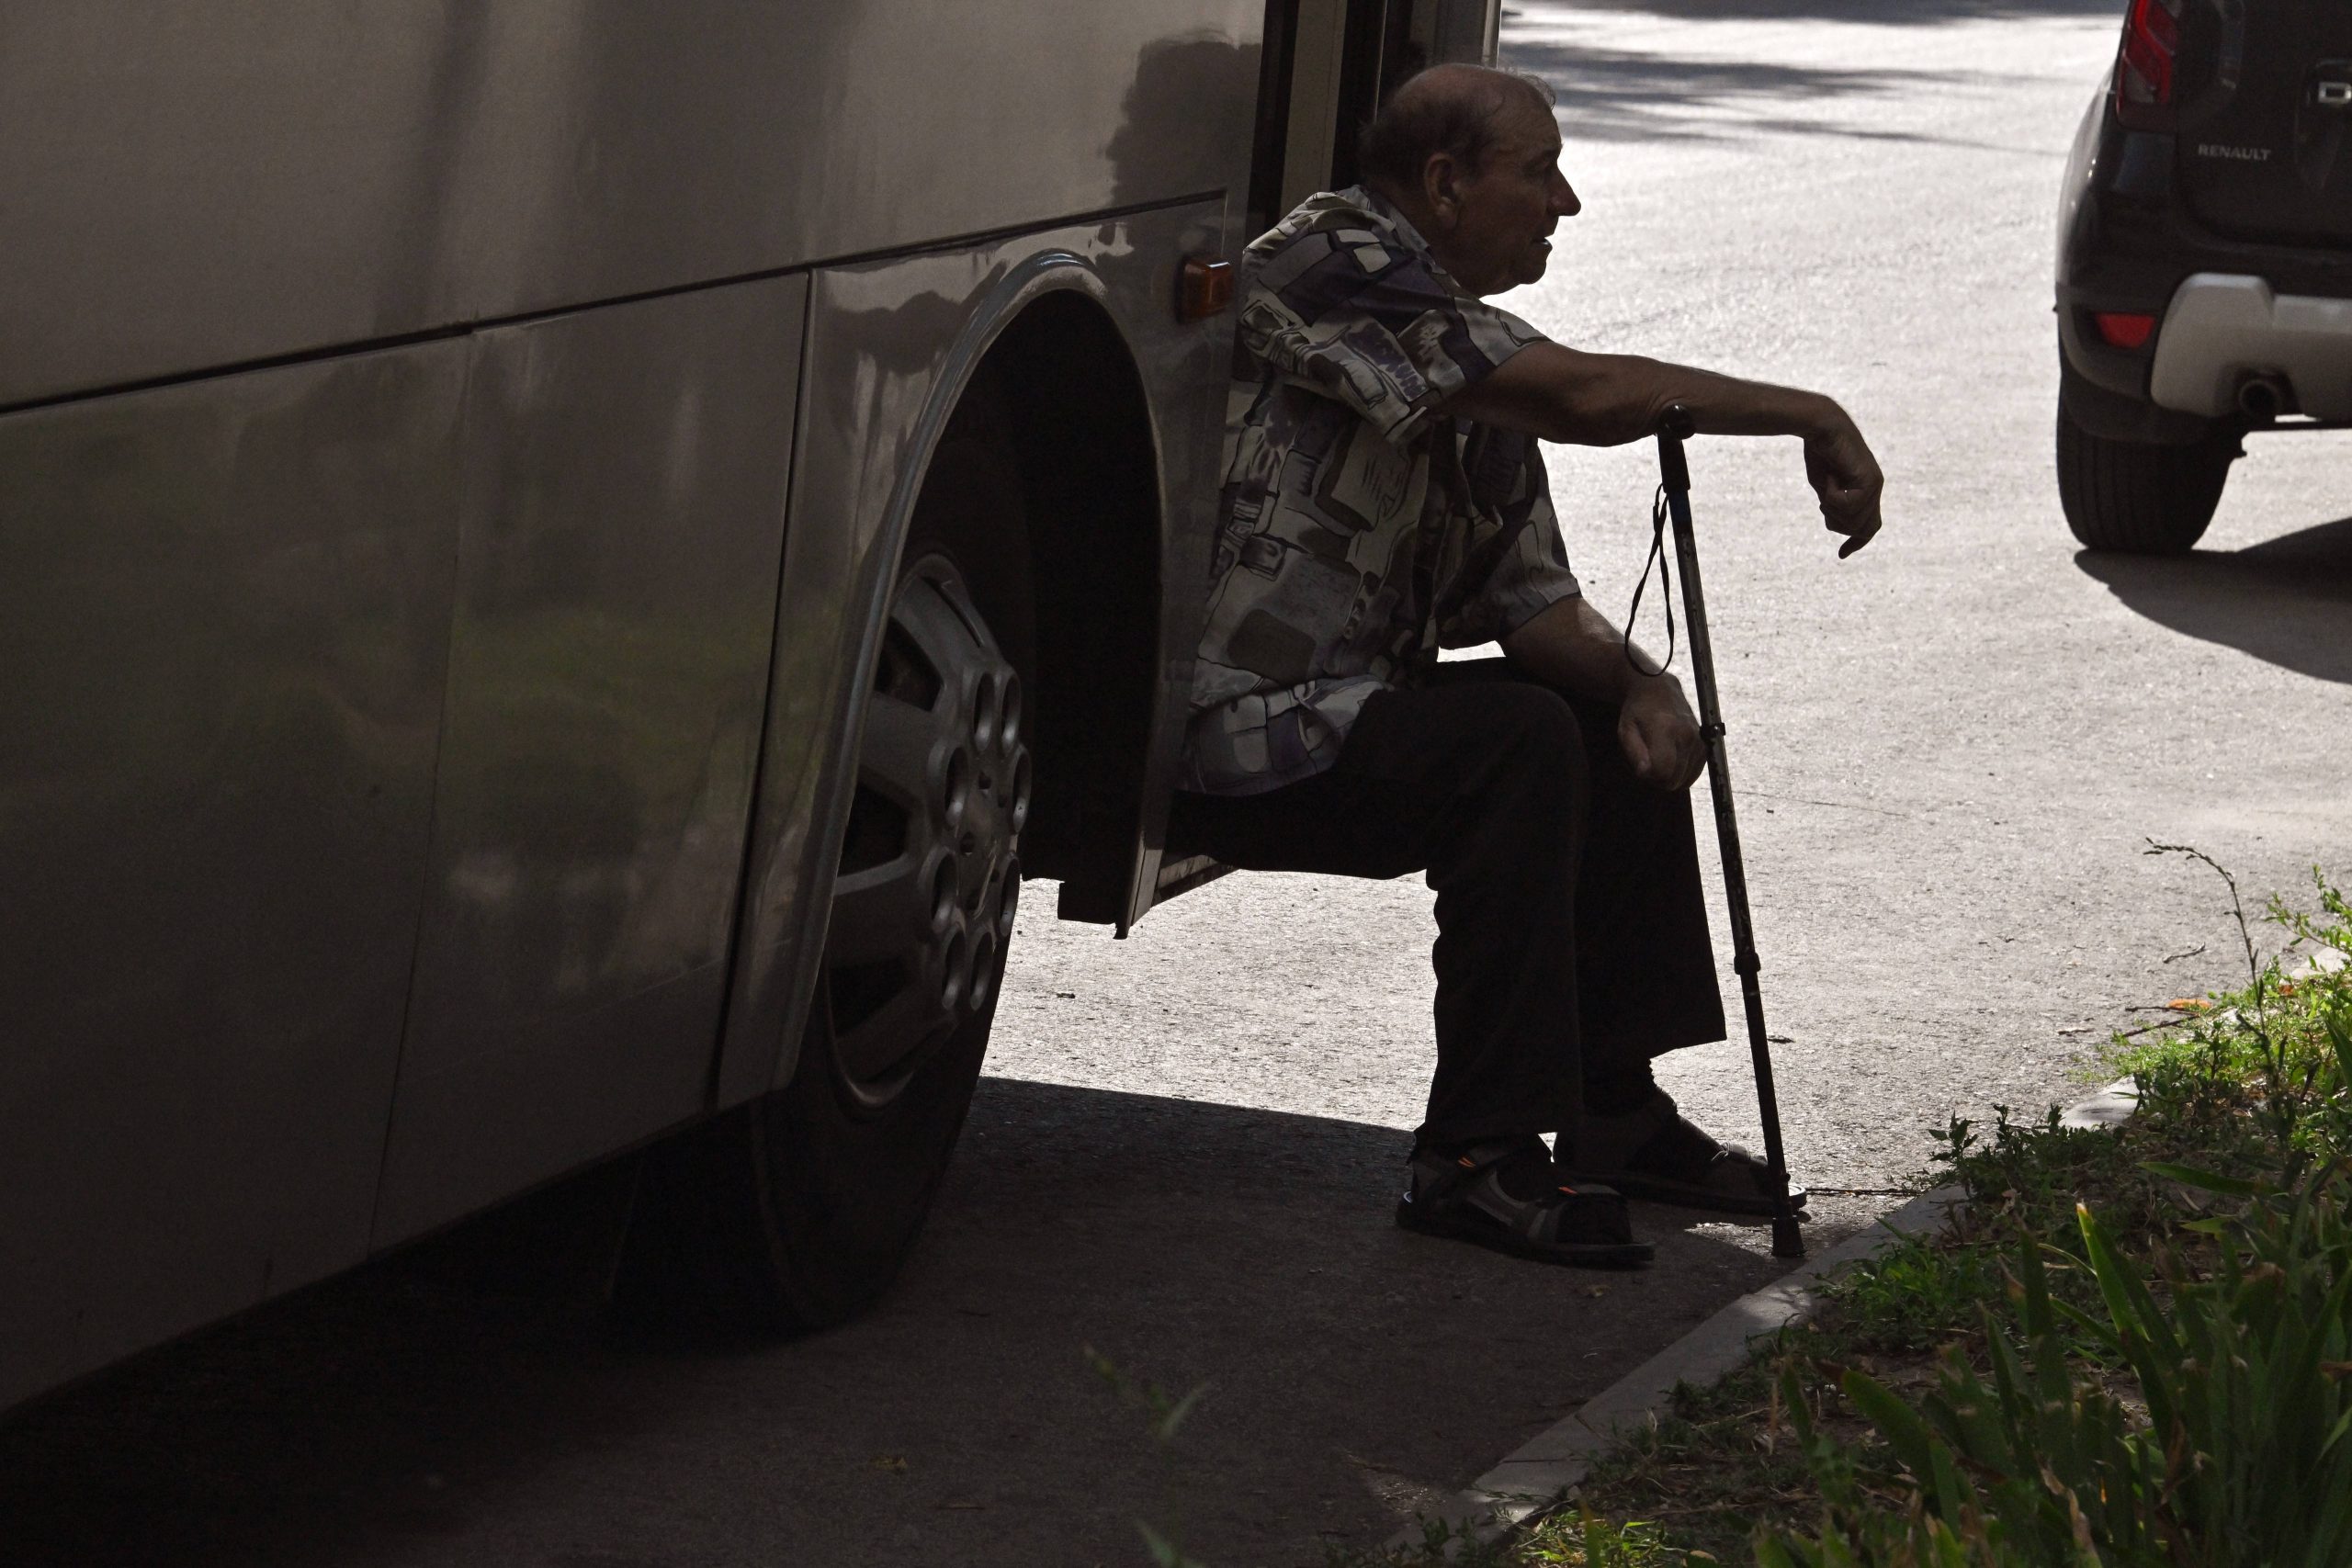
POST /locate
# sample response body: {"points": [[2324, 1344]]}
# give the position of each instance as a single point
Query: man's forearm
{"points": [[1572, 646], [1602, 400]]}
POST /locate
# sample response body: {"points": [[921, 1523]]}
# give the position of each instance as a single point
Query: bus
{"points": [[562, 563]]}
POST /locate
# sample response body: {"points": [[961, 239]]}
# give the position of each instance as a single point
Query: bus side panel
{"points": [[890, 343], [623, 528], [218, 181], [225, 611]]}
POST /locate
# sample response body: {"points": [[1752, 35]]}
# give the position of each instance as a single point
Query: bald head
{"points": [[1470, 157], [1456, 110]]}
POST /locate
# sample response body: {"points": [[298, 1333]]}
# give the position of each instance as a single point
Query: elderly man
{"points": [[1384, 497]]}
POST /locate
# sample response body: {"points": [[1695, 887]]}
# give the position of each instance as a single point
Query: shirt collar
{"points": [[1380, 206]]}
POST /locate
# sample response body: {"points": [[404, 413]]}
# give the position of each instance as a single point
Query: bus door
{"points": [[1326, 67]]}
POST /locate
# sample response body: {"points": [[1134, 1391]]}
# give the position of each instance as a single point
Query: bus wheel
{"points": [[797, 1211]]}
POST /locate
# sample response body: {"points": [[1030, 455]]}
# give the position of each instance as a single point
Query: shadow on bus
{"points": [[416, 1412]]}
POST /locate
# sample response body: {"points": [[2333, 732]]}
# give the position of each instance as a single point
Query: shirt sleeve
{"points": [[1531, 574], [1362, 318]]}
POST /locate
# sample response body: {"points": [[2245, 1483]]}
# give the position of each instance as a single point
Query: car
{"points": [[2204, 268]]}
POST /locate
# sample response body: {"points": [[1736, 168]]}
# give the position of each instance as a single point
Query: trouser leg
{"points": [[1548, 935], [1504, 865], [1484, 791], [1644, 961]]}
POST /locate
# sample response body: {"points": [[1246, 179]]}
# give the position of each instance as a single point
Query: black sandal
{"points": [[1682, 1163], [1460, 1195]]}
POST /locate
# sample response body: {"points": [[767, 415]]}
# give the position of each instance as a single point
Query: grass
{"points": [[2094, 1363]]}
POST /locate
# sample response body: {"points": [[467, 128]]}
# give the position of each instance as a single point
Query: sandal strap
{"points": [[1443, 1174], [1587, 1213], [1687, 1155], [1681, 1144]]}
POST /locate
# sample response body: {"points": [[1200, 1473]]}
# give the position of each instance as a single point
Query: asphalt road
{"points": [[1952, 751]]}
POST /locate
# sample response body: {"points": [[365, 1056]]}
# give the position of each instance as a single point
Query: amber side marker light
{"points": [[2123, 329], [1204, 286]]}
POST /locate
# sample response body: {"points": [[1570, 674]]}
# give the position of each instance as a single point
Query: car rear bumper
{"points": [[2222, 330], [2127, 245]]}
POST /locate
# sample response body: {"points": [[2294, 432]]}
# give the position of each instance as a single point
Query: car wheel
{"points": [[797, 1210], [2136, 496]]}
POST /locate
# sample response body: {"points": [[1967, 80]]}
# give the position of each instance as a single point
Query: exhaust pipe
{"points": [[2263, 397]]}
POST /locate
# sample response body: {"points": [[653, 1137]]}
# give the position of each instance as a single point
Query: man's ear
{"points": [[1441, 187]]}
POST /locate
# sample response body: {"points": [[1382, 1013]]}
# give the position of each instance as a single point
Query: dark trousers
{"points": [[1572, 940]]}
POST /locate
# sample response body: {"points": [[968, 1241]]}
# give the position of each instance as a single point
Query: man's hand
{"points": [[1839, 466], [1660, 734], [1572, 646]]}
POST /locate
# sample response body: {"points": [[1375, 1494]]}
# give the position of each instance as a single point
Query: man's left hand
{"points": [[1660, 734]]}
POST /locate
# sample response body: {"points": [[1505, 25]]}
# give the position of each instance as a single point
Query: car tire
{"points": [[797, 1210], [2140, 497]]}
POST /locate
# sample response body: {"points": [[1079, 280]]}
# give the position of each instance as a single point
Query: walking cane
{"points": [[1677, 425]]}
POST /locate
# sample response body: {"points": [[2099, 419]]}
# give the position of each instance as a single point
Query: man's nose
{"points": [[1564, 197]]}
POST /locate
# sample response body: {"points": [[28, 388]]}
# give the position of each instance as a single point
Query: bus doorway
{"points": [[1327, 65]]}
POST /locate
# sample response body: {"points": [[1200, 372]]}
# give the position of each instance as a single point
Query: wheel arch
{"points": [[1086, 449], [1047, 351], [1045, 344]]}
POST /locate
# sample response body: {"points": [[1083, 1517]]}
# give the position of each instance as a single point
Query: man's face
{"points": [[1505, 213]]}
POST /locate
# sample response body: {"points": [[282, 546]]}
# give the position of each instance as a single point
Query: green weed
{"points": [[2130, 1347], [2192, 1410], [1164, 1415], [1583, 1540]]}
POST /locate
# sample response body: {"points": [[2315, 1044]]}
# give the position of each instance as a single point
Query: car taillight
{"points": [[2143, 65]]}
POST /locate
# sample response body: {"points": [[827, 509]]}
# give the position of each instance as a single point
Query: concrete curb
{"points": [[2109, 1107], [1533, 1479]]}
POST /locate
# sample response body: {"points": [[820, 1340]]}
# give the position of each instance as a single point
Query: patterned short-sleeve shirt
{"points": [[1361, 529]]}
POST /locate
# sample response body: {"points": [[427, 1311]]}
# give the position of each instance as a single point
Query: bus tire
{"points": [[797, 1211]]}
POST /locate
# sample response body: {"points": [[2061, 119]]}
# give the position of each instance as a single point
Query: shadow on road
{"points": [[2283, 601], [1655, 94], [401, 1414], [1878, 13], [1610, 94]]}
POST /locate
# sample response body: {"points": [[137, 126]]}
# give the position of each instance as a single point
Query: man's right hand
{"points": [[1839, 466], [1600, 400]]}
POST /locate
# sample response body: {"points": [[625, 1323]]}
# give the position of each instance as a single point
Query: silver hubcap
{"points": [[924, 901]]}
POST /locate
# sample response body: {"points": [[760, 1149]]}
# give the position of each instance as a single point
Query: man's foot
{"points": [[1505, 1194], [1658, 1154]]}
